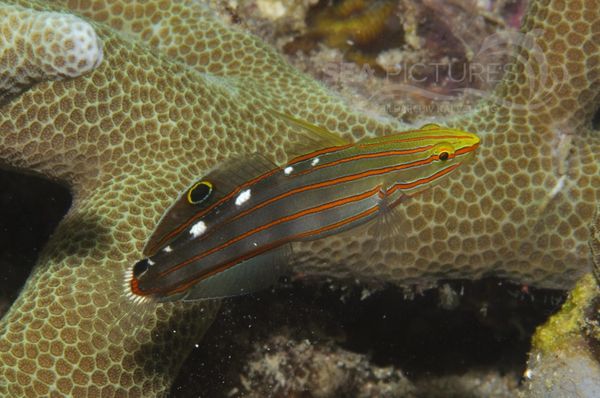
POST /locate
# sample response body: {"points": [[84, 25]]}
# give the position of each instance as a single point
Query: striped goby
{"points": [[231, 232]]}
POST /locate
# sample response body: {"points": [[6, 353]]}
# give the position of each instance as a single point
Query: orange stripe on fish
{"points": [[291, 217], [230, 232], [304, 235]]}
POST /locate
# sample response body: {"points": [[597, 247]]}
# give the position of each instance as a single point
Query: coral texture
{"points": [[285, 367], [353, 26], [564, 357], [37, 46], [180, 91], [288, 367], [595, 243]]}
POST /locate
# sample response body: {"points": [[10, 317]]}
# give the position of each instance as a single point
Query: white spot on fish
{"points": [[315, 161], [168, 249], [198, 229], [288, 170], [242, 197], [150, 262]]}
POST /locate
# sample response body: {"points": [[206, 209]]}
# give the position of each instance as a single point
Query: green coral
{"points": [[563, 360], [571, 321], [179, 91]]}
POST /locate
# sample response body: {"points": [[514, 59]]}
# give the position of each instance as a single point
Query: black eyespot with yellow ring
{"points": [[199, 192]]}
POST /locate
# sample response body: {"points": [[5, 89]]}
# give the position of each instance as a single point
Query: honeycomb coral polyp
{"points": [[40, 45], [180, 91]]}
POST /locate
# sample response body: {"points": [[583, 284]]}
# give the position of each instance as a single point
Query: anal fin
{"points": [[252, 275]]}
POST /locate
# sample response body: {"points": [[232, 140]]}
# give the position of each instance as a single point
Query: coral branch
{"points": [[37, 46], [178, 92]]}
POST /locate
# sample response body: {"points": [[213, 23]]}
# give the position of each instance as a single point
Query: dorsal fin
{"points": [[430, 126], [319, 136], [235, 171], [223, 179]]}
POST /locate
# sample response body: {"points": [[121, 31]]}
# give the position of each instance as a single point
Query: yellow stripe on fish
{"points": [[230, 232]]}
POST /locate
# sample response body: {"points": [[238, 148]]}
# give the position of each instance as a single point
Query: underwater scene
{"points": [[300, 198]]}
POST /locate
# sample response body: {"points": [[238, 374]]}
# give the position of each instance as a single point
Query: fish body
{"points": [[231, 231]]}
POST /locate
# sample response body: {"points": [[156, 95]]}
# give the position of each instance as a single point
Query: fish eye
{"points": [[443, 151], [199, 192], [140, 267]]}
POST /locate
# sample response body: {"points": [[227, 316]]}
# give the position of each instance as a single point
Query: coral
{"points": [[555, 335], [126, 139], [595, 243], [280, 365], [564, 358], [306, 341], [37, 46], [285, 367], [427, 47], [359, 28], [180, 91]]}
